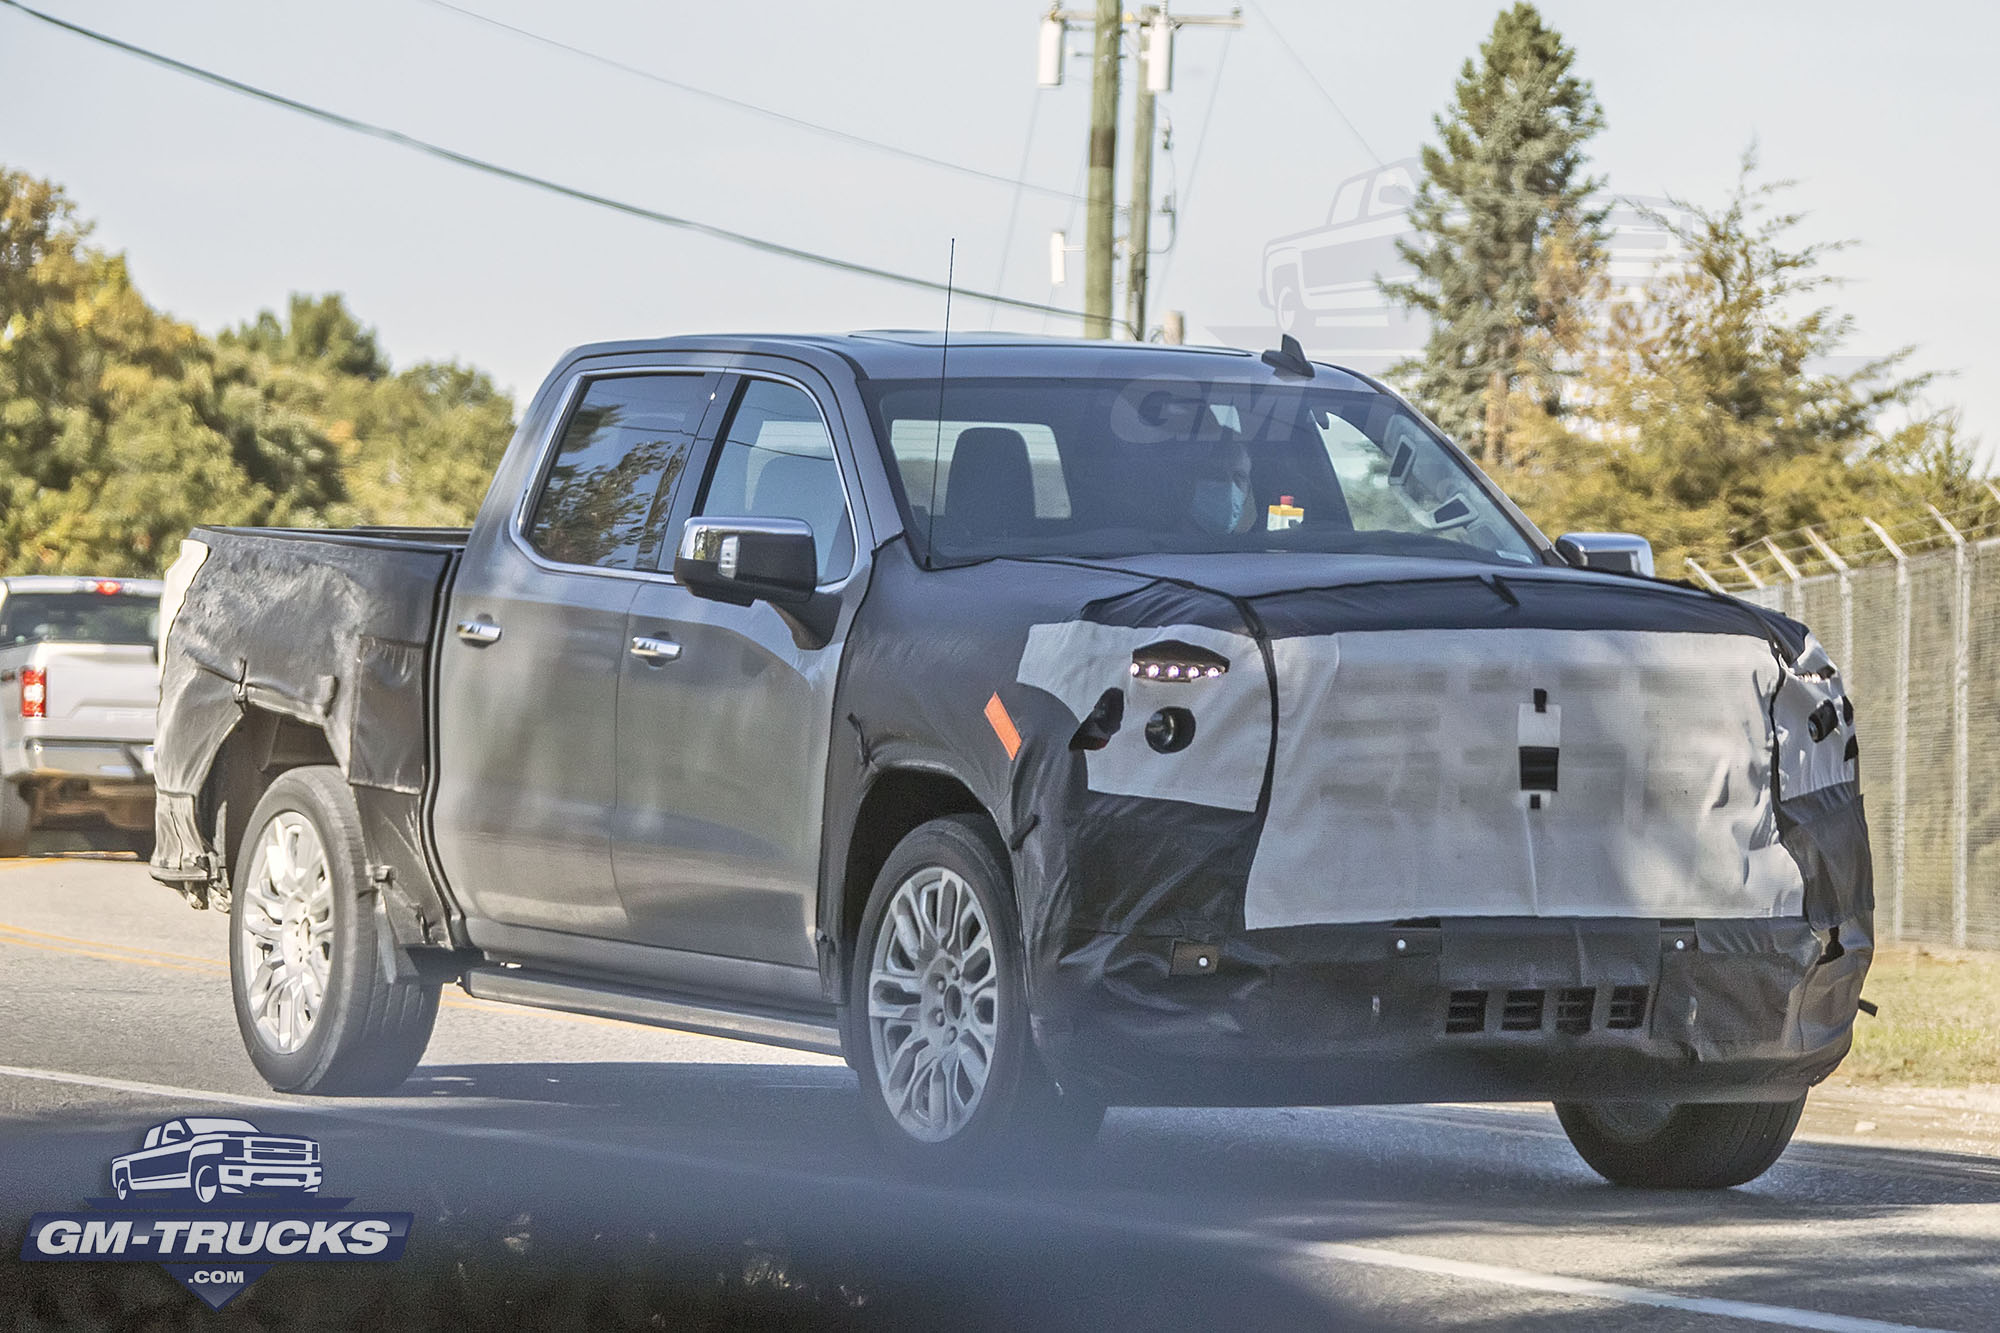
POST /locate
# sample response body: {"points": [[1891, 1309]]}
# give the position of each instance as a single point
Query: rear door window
{"points": [[621, 456]]}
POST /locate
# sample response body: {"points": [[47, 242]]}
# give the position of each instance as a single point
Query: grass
{"points": [[1940, 1019]]}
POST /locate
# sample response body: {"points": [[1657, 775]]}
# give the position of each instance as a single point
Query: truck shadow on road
{"points": [[807, 1113], [634, 1190]]}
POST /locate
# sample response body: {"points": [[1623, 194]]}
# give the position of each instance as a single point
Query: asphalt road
{"points": [[572, 1172]]}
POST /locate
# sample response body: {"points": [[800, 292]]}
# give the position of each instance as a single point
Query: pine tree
{"points": [[1509, 245]]}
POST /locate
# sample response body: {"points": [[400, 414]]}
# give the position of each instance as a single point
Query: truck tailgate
{"points": [[96, 691]]}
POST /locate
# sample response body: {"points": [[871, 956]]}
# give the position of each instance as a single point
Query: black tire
{"points": [[1689, 1146], [16, 818], [207, 1184], [370, 1030], [1019, 1113]]}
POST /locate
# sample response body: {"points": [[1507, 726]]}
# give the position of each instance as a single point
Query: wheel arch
{"points": [[258, 750], [266, 744], [896, 801]]}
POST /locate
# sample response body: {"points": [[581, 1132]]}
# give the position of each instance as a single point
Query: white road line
{"points": [[1367, 1255], [1589, 1289]]}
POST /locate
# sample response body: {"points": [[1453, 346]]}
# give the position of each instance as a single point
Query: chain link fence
{"points": [[1917, 640]]}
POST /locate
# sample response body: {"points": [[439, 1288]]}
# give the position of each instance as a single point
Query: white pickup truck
{"points": [[79, 688]]}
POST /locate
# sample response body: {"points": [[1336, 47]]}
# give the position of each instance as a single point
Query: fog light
{"points": [[1170, 730]]}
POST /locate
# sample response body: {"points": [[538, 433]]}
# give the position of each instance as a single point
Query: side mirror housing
{"points": [[745, 560], [1623, 552]]}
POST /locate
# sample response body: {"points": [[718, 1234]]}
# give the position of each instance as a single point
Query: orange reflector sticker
{"points": [[1003, 726]]}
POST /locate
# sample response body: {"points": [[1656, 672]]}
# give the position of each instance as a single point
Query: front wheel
{"points": [[206, 1183], [317, 1011], [938, 1010], [1687, 1145]]}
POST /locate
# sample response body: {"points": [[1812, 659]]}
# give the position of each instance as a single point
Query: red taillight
{"points": [[34, 692], [107, 586]]}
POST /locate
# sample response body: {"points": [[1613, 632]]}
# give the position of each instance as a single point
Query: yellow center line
{"points": [[11, 929]]}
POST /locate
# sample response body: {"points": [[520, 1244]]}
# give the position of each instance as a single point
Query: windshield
{"points": [[216, 1125], [1103, 467], [78, 617]]}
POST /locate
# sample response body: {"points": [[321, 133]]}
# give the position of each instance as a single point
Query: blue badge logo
{"points": [[216, 1202]]}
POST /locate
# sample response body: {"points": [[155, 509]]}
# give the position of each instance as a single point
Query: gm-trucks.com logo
{"points": [[215, 1203]]}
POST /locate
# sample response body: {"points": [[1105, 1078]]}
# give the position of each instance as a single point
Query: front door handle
{"points": [[478, 631], [653, 650]]}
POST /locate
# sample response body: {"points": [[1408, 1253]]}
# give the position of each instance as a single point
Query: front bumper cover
{"points": [[1530, 1009]]}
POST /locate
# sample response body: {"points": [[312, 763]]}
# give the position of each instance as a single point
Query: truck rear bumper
{"points": [[96, 762], [1474, 1009]]}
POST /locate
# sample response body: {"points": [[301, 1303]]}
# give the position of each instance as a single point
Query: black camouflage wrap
{"points": [[1111, 886], [331, 629]]}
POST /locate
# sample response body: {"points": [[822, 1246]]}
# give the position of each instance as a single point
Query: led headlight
{"points": [[1173, 660]]}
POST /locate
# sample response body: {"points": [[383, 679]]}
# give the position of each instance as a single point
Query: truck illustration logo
{"points": [[1322, 285], [216, 1202], [209, 1157]]}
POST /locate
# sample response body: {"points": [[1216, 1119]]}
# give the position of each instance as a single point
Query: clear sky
{"points": [[1888, 118]]}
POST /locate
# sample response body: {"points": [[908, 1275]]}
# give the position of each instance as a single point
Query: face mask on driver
{"points": [[1219, 504]]}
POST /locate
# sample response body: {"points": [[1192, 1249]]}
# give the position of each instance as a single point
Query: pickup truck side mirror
{"points": [[1626, 552], [748, 560]]}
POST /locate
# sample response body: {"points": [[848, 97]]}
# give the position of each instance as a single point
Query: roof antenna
{"points": [[937, 446], [1289, 358]]}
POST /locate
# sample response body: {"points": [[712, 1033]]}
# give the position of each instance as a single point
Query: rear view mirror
{"points": [[745, 560], [1625, 552]]}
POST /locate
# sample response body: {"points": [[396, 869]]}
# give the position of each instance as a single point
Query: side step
{"points": [[544, 990]]}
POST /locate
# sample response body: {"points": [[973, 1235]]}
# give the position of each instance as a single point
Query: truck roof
{"points": [[914, 354]]}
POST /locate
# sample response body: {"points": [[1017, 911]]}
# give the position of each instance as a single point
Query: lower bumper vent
{"points": [[1628, 1007], [1574, 1007], [1522, 1012], [1466, 1012]]}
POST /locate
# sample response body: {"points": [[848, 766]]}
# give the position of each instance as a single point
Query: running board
{"points": [[543, 990]]}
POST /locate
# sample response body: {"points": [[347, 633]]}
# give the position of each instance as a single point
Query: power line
{"points": [[1014, 207], [1194, 168], [1313, 78], [796, 122], [452, 155]]}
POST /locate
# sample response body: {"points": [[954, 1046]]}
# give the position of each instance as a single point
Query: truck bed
{"points": [[332, 627]]}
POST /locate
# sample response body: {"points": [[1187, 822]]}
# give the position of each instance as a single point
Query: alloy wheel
{"points": [[287, 931], [933, 1004]]}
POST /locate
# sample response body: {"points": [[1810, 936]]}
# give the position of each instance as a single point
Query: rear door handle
{"points": [[478, 631], [653, 650]]}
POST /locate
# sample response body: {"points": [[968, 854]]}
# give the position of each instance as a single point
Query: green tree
{"points": [[1509, 246], [418, 447], [1719, 408], [121, 427]]}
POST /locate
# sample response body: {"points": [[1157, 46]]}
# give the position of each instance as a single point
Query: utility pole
{"points": [[1155, 29], [1139, 226], [1100, 216]]}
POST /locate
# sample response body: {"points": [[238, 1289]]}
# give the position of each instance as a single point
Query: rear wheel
{"points": [[317, 1011], [16, 817], [1687, 1145], [949, 1076]]}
